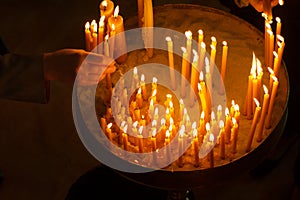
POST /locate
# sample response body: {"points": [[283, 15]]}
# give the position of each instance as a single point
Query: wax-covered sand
{"points": [[242, 38]]}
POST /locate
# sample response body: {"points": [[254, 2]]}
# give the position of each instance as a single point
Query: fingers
{"points": [[98, 59]]}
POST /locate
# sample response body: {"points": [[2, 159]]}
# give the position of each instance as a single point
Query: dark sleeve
{"points": [[22, 78]]}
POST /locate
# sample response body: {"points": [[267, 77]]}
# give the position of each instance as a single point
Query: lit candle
{"points": [[212, 58], [276, 65], [259, 77], [171, 107], [227, 126], [271, 47], [237, 112], [278, 31], [200, 40], [112, 41], [135, 132], [271, 78], [181, 107], [168, 115], [281, 46], [248, 102], [234, 133], [195, 144], [101, 35], [143, 87], [135, 80], [148, 23], [141, 142], [154, 84], [183, 71], [223, 65], [203, 102], [194, 78], [272, 101], [87, 37], [153, 144], [106, 46], [120, 41], [253, 125], [255, 90], [171, 62], [108, 131], [106, 9], [156, 113], [125, 138], [137, 114], [167, 141], [151, 108], [140, 12], [188, 35], [180, 145], [267, 9], [139, 99], [232, 110], [95, 37], [202, 56], [211, 153], [208, 80], [222, 140], [219, 112], [263, 114], [125, 97], [153, 96]]}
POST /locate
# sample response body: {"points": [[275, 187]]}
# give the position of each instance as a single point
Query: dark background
{"points": [[41, 155]]}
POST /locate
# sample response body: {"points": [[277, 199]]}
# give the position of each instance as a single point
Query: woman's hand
{"points": [[263, 5], [63, 65]]}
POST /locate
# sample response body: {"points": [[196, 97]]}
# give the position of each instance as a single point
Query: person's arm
{"points": [[259, 5]]}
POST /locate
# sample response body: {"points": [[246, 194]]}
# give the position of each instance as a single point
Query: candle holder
{"points": [[186, 177]]}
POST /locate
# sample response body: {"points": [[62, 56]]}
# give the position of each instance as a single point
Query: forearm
{"points": [[22, 78]]}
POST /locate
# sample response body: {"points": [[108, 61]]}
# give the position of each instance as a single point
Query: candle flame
{"points": [[155, 111], [181, 101], [123, 124], [211, 137], [168, 39], [183, 49], [109, 125], [153, 132], [104, 3], [141, 130], [151, 103], [87, 25], [281, 2], [101, 22], [93, 23], [195, 133], [207, 127], [143, 117], [154, 123], [275, 54], [207, 69], [167, 111], [139, 90], [275, 79], [201, 77], [224, 43], [212, 47], [188, 34], [213, 117], [221, 124], [281, 38], [278, 20], [167, 134], [169, 96], [268, 26], [253, 68], [142, 77], [113, 27], [200, 32], [271, 70], [116, 12], [199, 87], [154, 80], [125, 129], [194, 125], [134, 71], [154, 93], [187, 118], [213, 39], [163, 121], [171, 104], [265, 89], [106, 38], [184, 111], [236, 108], [264, 15], [219, 108], [203, 45], [171, 121], [206, 61], [135, 124], [226, 111], [258, 64], [232, 102], [234, 121], [256, 102], [195, 59], [181, 131], [202, 115], [270, 32]]}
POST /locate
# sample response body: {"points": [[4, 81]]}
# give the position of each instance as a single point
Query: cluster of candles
{"points": [[141, 130], [101, 37]]}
